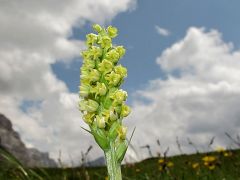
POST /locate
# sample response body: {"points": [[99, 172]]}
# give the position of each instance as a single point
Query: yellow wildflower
{"points": [[195, 165], [211, 167], [161, 161], [170, 164], [209, 158]]}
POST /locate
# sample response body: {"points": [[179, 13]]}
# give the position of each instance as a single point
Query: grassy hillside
{"points": [[214, 165]]}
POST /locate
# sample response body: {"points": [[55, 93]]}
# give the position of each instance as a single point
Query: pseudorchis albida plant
{"points": [[102, 102]]}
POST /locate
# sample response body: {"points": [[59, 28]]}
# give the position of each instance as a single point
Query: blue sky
{"points": [[138, 34]]}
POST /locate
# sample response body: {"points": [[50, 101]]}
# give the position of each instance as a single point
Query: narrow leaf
{"points": [[86, 130]]}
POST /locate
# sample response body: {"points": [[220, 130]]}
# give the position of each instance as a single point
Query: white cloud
{"points": [[199, 103], [34, 35], [199, 99], [162, 31]]}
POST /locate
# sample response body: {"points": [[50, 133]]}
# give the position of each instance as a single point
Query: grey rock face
{"points": [[12, 142]]}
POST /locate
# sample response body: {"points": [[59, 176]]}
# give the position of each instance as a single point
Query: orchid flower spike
{"points": [[102, 102]]}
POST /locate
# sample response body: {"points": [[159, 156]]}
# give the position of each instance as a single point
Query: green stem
{"points": [[113, 166]]}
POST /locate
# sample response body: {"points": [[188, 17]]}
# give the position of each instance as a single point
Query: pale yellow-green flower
{"points": [[88, 118], [84, 90], [84, 72], [89, 105], [88, 63], [91, 39], [119, 96], [100, 89], [97, 28], [122, 71], [105, 42], [94, 75], [113, 55], [112, 31], [96, 52], [113, 115], [101, 123], [122, 131], [105, 66], [113, 78], [125, 110], [121, 50], [85, 54]]}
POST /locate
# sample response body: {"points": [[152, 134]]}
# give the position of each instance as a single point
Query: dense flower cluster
{"points": [[102, 102]]}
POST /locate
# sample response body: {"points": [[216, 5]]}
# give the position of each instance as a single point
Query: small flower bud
{"points": [[113, 116], [105, 66], [88, 118], [105, 42], [84, 73], [83, 69], [85, 54], [112, 31], [113, 78], [94, 75], [112, 56], [122, 131], [122, 71], [96, 52], [121, 51], [88, 63], [91, 105], [97, 28], [91, 39], [119, 96], [100, 121], [100, 89], [125, 110], [84, 90], [82, 105]]}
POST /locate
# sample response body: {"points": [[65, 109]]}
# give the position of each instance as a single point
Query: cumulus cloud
{"points": [[162, 31], [34, 35], [198, 100]]}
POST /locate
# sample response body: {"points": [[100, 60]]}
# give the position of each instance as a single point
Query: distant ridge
{"points": [[11, 141]]}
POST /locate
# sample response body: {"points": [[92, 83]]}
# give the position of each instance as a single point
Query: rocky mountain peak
{"points": [[5, 123], [11, 141]]}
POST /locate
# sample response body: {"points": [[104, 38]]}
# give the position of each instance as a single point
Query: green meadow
{"points": [[221, 164]]}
